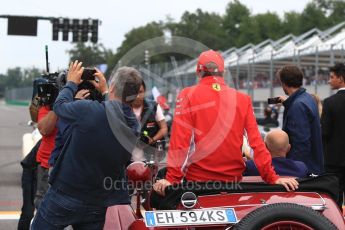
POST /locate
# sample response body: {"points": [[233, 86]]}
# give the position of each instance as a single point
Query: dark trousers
{"points": [[42, 184], [58, 210], [340, 173], [29, 181]]}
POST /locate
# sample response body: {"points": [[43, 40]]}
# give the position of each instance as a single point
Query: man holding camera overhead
{"points": [[89, 174]]}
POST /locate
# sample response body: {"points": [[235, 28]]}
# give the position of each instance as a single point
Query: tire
{"points": [[279, 212]]}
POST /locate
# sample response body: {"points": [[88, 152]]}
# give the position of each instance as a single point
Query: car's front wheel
{"points": [[284, 216]]}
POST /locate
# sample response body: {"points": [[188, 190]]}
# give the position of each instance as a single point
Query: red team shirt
{"points": [[207, 134], [47, 143]]}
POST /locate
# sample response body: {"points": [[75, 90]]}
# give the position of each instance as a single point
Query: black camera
{"points": [[95, 95], [88, 74], [274, 100], [50, 84], [48, 89]]}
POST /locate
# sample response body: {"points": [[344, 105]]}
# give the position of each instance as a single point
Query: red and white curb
{"points": [[9, 215]]}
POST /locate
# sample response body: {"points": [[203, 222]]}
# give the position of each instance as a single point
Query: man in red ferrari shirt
{"points": [[46, 125], [207, 132]]}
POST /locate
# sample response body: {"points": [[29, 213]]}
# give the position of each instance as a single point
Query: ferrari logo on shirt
{"points": [[216, 87]]}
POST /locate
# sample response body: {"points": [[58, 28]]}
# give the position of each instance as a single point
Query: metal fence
{"points": [[256, 83], [18, 96]]}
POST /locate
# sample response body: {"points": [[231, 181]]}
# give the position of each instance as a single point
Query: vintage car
{"points": [[249, 204]]}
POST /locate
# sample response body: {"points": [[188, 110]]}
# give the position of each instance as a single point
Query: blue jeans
{"points": [[59, 210]]}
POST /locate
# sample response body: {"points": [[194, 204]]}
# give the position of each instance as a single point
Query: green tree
{"points": [[14, 77], [18, 77], [257, 28], [269, 26], [2, 84], [338, 12], [236, 28], [249, 32], [236, 13], [29, 75], [136, 36], [335, 9], [204, 27], [292, 23], [313, 16], [90, 55]]}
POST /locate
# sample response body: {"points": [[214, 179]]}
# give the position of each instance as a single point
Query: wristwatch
{"points": [[105, 95]]}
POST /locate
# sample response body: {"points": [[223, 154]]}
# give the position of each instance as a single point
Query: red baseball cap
{"points": [[210, 61]]}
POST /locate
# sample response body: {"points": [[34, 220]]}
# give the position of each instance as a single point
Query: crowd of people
{"points": [[87, 144], [262, 80]]}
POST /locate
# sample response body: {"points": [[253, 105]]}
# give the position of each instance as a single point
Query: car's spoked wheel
{"points": [[287, 225]]}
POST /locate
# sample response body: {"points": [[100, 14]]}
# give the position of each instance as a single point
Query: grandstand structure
{"points": [[252, 68]]}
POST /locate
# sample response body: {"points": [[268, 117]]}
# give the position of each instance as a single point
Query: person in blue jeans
{"points": [[277, 143], [89, 175]]}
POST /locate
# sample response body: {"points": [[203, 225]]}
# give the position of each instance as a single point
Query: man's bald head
{"points": [[277, 142]]}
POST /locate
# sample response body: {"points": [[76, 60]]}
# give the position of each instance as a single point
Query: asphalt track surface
{"points": [[13, 124]]}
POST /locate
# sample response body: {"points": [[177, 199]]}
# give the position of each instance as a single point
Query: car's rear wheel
{"points": [[284, 216], [286, 225]]}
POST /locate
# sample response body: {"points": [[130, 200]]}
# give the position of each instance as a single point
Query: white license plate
{"points": [[190, 217]]}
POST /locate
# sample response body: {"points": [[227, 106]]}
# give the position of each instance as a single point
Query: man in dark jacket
{"points": [[333, 127], [301, 120], [277, 143], [89, 175]]}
